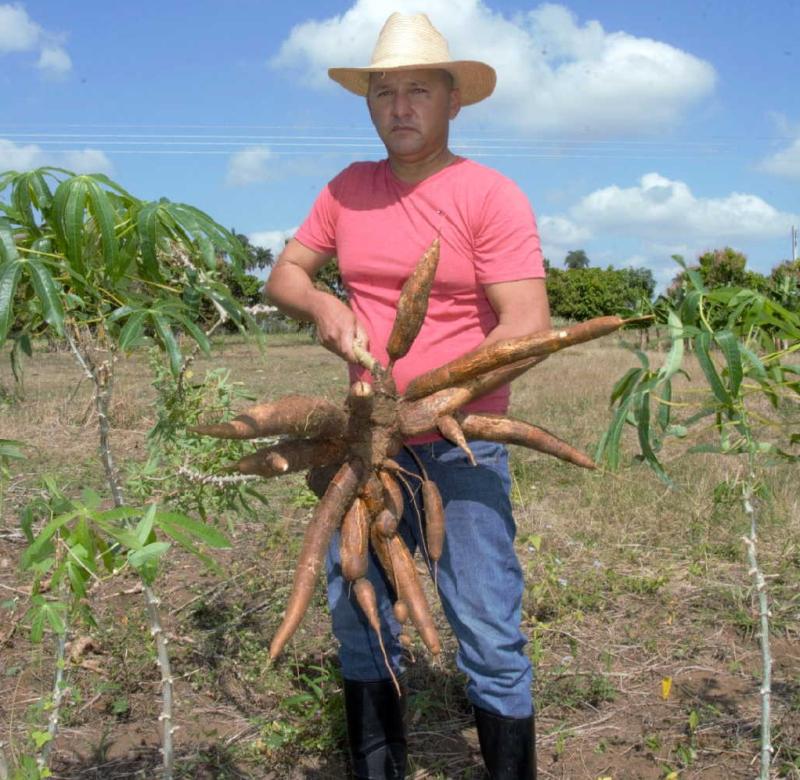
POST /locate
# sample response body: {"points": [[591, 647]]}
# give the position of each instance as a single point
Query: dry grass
{"points": [[629, 583]]}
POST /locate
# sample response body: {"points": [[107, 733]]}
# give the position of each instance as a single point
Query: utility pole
{"points": [[794, 244]]}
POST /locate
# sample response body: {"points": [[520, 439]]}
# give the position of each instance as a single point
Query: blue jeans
{"points": [[479, 578]]}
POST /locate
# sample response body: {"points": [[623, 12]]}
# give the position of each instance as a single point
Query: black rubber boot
{"points": [[375, 730], [508, 745]]}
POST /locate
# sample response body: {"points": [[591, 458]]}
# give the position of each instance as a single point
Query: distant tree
{"points": [[717, 268], [257, 258], [722, 267], [576, 259], [640, 280], [784, 284], [584, 293]]}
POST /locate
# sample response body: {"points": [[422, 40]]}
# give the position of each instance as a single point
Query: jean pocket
{"points": [[487, 453]]}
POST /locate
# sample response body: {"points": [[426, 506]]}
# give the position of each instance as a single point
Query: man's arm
{"points": [[521, 307], [291, 288]]}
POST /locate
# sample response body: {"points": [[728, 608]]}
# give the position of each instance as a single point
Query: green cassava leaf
{"points": [[729, 345], [8, 246], [170, 522], [31, 553], [675, 356], [132, 331], [642, 412], [625, 385], [188, 544], [9, 277], [72, 219], [148, 227], [701, 344], [145, 526], [608, 449], [664, 405], [194, 331], [146, 560], [754, 361], [168, 341], [48, 294], [102, 210]]}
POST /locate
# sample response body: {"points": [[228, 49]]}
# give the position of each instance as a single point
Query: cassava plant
{"points": [[176, 460], [78, 546], [81, 259], [350, 452], [746, 345]]}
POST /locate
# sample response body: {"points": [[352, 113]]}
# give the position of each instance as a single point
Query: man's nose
{"points": [[401, 105]]}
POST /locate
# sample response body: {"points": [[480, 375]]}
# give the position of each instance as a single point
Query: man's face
{"points": [[411, 111]]}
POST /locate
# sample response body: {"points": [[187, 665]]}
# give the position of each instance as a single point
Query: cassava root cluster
{"points": [[349, 453]]}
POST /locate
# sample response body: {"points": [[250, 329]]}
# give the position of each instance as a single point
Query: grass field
{"points": [[629, 584]]}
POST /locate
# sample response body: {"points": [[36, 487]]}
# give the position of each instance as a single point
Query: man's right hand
{"points": [[291, 288], [337, 327]]}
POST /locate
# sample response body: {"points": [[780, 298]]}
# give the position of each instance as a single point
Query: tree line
{"points": [[579, 291]]}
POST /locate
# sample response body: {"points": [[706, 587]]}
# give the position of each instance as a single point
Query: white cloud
{"points": [[645, 224], [249, 166], [555, 74], [54, 61], [786, 162], [19, 33], [274, 240], [24, 158], [660, 209], [559, 235]]}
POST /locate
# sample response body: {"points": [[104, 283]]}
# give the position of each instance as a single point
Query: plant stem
{"points": [[763, 635], [104, 386], [59, 687], [163, 661], [102, 375]]}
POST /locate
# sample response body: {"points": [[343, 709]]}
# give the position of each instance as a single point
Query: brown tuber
{"points": [[349, 453]]}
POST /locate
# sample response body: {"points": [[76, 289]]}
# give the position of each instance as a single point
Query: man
{"points": [[377, 219]]}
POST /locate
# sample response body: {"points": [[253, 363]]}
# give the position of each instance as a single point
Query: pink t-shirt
{"points": [[378, 227]]}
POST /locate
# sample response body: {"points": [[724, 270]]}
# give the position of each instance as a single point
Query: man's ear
{"points": [[455, 103]]}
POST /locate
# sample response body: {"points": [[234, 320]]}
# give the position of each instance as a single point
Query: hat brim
{"points": [[475, 80]]}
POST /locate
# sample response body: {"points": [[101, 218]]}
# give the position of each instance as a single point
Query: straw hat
{"points": [[410, 42]]}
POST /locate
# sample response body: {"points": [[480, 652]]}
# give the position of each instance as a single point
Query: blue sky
{"points": [[637, 129]]}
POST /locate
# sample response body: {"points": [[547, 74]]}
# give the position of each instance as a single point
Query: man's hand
{"points": [[337, 326], [291, 288]]}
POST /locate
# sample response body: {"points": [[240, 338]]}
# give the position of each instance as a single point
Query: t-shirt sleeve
{"points": [[318, 231], [507, 246]]}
